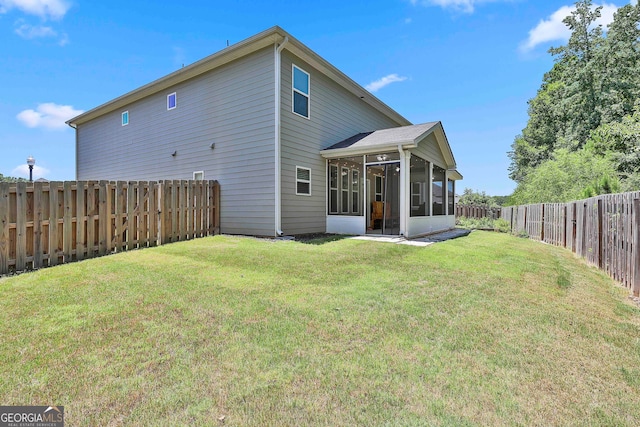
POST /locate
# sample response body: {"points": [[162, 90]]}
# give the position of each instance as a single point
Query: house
{"points": [[296, 145]]}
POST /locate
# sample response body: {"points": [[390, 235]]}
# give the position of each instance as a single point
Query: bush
{"points": [[502, 225], [475, 223]]}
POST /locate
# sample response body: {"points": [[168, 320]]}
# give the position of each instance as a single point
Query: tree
{"points": [[620, 143], [10, 179], [475, 198], [620, 69], [562, 178]]}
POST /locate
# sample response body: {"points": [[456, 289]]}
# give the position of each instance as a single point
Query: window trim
{"points": [[175, 101], [198, 172], [294, 90], [125, 114], [303, 181]]}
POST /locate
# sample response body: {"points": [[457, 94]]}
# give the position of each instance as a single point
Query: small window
{"points": [[172, 101], [198, 176], [303, 181], [125, 118], [300, 92]]}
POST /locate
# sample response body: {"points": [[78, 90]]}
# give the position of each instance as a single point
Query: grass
{"points": [[484, 330]]}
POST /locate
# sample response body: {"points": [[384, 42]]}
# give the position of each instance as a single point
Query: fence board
{"points": [[44, 224]]}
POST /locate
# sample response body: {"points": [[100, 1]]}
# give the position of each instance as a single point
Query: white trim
{"points": [[122, 117], [294, 90], [175, 95], [303, 181], [198, 172]]}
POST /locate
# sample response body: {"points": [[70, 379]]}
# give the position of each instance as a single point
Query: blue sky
{"points": [[472, 64]]}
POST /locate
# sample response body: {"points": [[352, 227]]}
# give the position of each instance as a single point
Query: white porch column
{"points": [[404, 190]]}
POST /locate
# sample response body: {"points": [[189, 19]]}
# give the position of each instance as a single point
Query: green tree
{"points": [[562, 178], [4, 178], [620, 65], [476, 198]]}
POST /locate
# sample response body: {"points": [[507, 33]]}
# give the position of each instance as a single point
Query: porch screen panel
{"points": [[438, 189], [451, 194], [333, 189], [345, 186], [345, 190], [419, 177]]}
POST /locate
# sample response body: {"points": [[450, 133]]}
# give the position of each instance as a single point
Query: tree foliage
{"points": [[475, 198], [4, 178], [586, 100]]}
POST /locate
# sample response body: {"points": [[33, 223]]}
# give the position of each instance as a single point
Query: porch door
{"points": [[383, 198]]}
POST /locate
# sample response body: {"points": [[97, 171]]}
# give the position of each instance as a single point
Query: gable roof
{"points": [[389, 139], [270, 37]]}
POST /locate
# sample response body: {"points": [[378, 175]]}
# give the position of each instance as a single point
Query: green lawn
{"points": [[483, 330]]}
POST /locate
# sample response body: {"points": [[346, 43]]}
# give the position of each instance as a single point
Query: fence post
{"points": [[21, 225], [542, 223], [4, 228], [600, 220], [635, 288]]}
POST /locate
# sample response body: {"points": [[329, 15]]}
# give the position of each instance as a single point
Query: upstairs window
{"points": [[125, 118], [303, 181], [300, 83], [172, 101]]}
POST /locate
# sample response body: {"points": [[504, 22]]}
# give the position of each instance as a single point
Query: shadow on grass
{"points": [[320, 238]]}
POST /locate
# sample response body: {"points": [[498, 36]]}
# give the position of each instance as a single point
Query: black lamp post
{"points": [[31, 161]]}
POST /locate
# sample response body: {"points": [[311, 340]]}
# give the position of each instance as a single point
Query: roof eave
{"points": [[361, 151], [259, 41]]}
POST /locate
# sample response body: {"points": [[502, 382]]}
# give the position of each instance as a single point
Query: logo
{"points": [[31, 416]]}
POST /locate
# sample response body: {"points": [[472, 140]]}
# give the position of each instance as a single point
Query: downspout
{"points": [[278, 171]]}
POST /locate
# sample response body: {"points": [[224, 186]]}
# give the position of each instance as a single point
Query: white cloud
{"points": [[48, 116], [29, 32], [386, 80], [22, 171], [466, 6], [54, 9], [553, 29]]}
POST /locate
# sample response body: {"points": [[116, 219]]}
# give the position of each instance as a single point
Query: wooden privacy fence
{"points": [[478, 212], [49, 223], [605, 230]]}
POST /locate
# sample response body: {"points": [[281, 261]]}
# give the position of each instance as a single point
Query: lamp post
{"points": [[31, 161]]}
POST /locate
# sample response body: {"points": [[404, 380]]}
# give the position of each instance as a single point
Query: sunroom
{"points": [[398, 182]]}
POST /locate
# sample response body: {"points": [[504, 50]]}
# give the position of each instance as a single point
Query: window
{"points": [[198, 176], [303, 181], [125, 118], [378, 189], [300, 92], [172, 101], [345, 189], [333, 189]]}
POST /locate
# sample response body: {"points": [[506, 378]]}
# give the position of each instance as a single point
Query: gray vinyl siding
{"points": [[335, 115], [429, 149], [231, 106]]}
